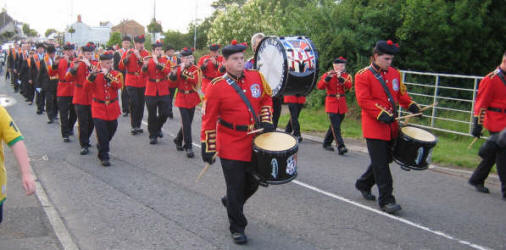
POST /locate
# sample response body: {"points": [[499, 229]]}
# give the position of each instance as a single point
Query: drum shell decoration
{"points": [[411, 153], [296, 59], [275, 167]]}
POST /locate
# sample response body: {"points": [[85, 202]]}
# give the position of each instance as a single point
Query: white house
{"points": [[84, 33]]}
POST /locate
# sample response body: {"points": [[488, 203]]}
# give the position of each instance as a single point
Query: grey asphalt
{"points": [[148, 199]]}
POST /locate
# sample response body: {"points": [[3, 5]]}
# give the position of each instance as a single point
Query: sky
{"points": [[58, 14]]}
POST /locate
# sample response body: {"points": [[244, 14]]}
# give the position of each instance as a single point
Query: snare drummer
{"points": [[337, 82], [379, 126], [490, 111], [225, 123]]}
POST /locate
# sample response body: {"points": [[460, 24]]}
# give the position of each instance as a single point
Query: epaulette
{"points": [[362, 70], [217, 79]]}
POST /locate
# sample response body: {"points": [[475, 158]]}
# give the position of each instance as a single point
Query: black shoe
{"points": [[106, 163], [342, 149], [125, 114], [179, 145], [133, 131], [160, 134], [84, 151], [224, 201], [299, 138], [328, 147], [189, 153], [139, 130], [66, 139], [50, 121], [39, 112], [367, 195], [239, 238], [480, 188], [391, 208], [153, 140]]}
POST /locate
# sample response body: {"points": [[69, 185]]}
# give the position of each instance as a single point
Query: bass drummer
{"points": [[235, 104], [379, 91]]}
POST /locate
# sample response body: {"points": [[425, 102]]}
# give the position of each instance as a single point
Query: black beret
{"points": [[108, 55], [186, 52], [157, 44], [233, 48], [387, 47], [214, 47], [169, 47], [89, 47], [126, 38], [139, 39], [340, 60], [68, 46], [50, 48], [40, 45]]}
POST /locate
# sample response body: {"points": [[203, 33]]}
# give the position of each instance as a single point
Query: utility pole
{"points": [[195, 25]]}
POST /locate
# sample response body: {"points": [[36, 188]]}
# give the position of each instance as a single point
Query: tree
{"points": [[178, 39], [222, 4], [114, 39], [29, 32], [49, 32], [154, 26], [147, 42]]}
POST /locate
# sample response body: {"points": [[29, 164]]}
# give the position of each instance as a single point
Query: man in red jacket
{"points": [[490, 112], [211, 66], [79, 71], [337, 82], [187, 78], [155, 71], [131, 62], [295, 104], [104, 84], [125, 46], [170, 53], [65, 93], [225, 124], [379, 91]]}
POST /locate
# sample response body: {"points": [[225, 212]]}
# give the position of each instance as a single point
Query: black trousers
{"points": [[185, 132], [379, 171], [14, 81], [136, 98], [293, 124], [172, 92], [104, 131], [125, 103], [68, 115], [28, 91], [334, 131], [241, 185], [276, 110], [51, 104], [85, 123], [40, 100], [158, 111], [495, 155]]}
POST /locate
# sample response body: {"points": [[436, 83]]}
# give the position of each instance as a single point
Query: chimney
{"points": [[79, 20]]}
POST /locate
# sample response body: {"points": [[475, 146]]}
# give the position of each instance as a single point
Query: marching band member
{"points": [[295, 104], [132, 62], [48, 79], [39, 92], [65, 92], [255, 41], [490, 112], [171, 56], [25, 74], [225, 123], [187, 78], [379, 91], [79, 71], [125, 46], [104, 84], [337, 82], [211, 66], [155, 71]]}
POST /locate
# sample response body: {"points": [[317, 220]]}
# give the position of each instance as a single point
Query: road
{"points": [[148, 198]]}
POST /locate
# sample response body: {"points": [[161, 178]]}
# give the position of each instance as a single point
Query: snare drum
{"points": [[275, 157], [413, 148], [289, 64]]}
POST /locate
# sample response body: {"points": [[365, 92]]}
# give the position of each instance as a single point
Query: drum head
{"points": [[270, 60], [275, 141], [418, 134]]}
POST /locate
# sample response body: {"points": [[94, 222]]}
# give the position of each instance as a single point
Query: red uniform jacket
{"points": [[187, 86], [373, 100], [209, 70], [105, 104], [335, 102], [133, 77], [78, 73], [222, 102], [294, 99], [65, 88], [157, 83], [491, 100]]}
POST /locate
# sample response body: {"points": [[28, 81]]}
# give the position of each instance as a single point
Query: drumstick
{"points": [[255, 131], [417, 114], [204, 170], [472, 143]]}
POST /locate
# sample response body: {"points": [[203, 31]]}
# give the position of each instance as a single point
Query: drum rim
{"points": [[282, 181], [417, 140], [295, 147], [285, 65]]}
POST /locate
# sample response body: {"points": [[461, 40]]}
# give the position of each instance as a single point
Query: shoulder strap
{"points": [[501, 75], [238, 90], [385, 88]]}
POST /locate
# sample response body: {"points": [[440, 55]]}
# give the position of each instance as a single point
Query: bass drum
{"points": [[275, 157], [289, 64], [413, 149]]}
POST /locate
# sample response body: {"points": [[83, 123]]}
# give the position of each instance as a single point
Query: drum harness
{"points": [[239, 91], [385, 88]]}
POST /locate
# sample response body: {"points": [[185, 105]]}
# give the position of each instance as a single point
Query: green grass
{"points": [[451, 150]]}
